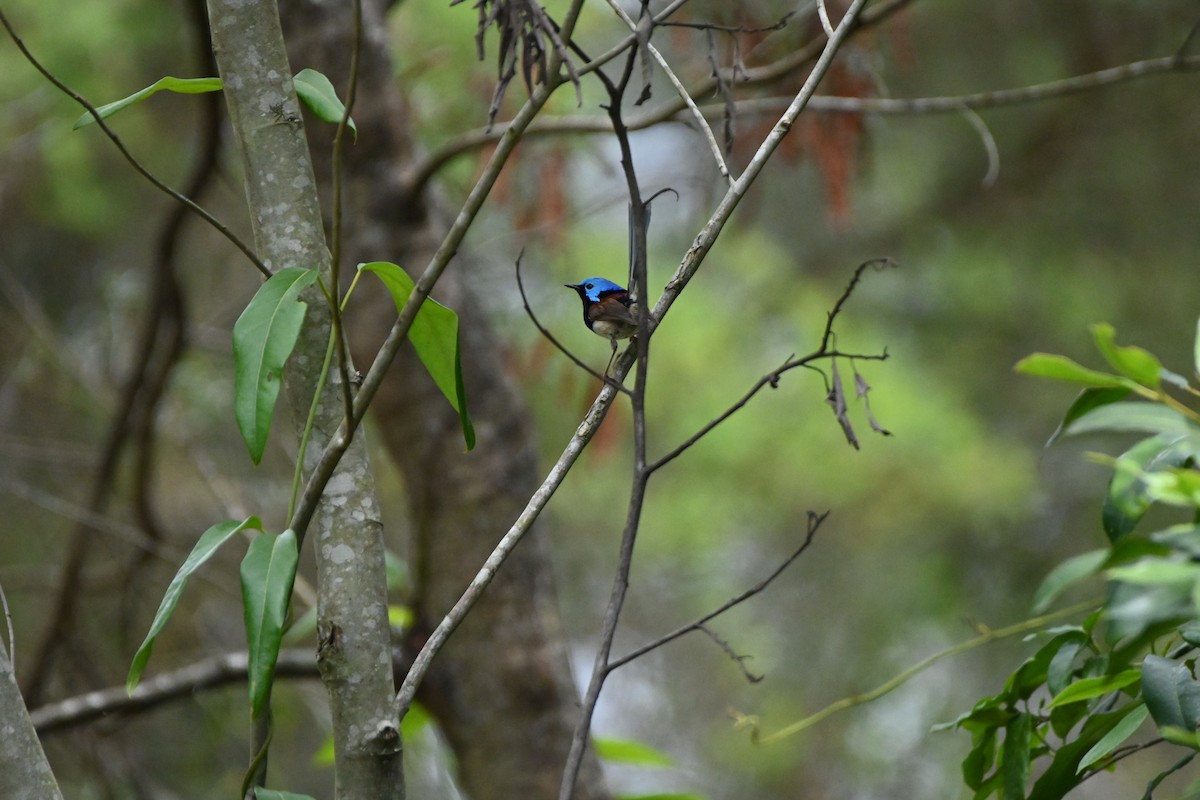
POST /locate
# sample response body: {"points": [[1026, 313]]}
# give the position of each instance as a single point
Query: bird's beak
{"points": [[571, 285]]}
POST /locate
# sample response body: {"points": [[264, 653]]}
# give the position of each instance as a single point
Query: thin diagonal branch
{"points": [[577, 124], [824, 351], [814, 523], [133, 162]]}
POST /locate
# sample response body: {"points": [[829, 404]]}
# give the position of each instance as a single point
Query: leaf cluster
{"points": [[1076, 703]]}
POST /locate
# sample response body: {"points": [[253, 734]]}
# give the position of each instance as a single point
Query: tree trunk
{"points": [[502, 689], [354, 651]]}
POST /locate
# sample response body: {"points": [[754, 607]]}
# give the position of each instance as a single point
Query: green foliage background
{"points": [[957, 517]]}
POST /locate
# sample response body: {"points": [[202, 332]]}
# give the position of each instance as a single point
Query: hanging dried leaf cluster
{"points": [[526, 34]]}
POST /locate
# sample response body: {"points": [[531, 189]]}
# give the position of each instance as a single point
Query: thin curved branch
{"points": [[814, 522], [824, 351], [554, 341], [987, 635], [133, 162], [581, 123]]}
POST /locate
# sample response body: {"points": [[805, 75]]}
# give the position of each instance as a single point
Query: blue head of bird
{"points": [[608, 310]]}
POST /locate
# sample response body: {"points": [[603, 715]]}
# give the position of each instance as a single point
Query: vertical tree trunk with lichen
{"points": [[354, 651], [24, 771], [502, 689]]}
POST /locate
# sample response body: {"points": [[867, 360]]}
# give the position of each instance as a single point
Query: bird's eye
{"points": [[589, 286]]}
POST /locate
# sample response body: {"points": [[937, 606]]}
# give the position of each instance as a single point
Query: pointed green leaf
{"points": [[629, 751], [208, 544], [981, 758], [1171, 693], [1157, 572], [1061, 775], [316, 92], [1131, 418], [1016, 755], [180, 85], [1067, 574], [263, 338], [1128, 496], [1088, 688], [1046, 365], [1088, 400], [268, 571], [1133, 362], [1113, 739], [434, 335]]}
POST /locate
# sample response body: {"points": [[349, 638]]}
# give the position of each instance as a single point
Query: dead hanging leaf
{"points": [[862, 389], [526, 35], [837, 401]]}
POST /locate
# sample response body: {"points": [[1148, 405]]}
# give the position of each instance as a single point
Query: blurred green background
{"points": [[952, 521]]}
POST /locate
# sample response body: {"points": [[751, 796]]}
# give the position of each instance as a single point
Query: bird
{"points": [[608, 310]]}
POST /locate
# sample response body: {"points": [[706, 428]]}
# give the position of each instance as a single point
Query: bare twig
{"points": [[133, 162], [986, 636], [823, 13], [165, 686], [577, 124], [335, 246], [814, 523], [989, 146], [681, 90], [554, 341], [374, 378], [637, 494], [824, 350], [733, 655], [712, 26]]}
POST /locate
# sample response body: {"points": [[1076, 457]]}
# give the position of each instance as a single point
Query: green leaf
{"points": [[1171, 694], [628, 751], [316, 92], [1177, 487], [434, 335], [1157, 572], [180, 85], [1061, 775], [208, 543], [274, 794], [1129, 497], [1067, 574], [981, 759], [1130, 417], [268, 571], [1047, 365], [1113, 739], [1016, 756], [1132, 362], [263, 338], [1031, 675], [1101, 685], [1088, 400], [1180, 736]]}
